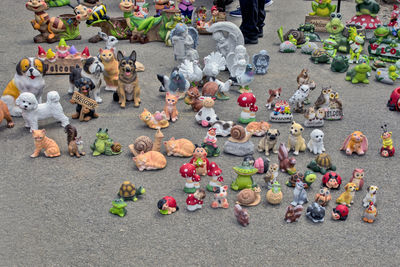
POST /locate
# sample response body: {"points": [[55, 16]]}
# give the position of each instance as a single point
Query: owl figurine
{"points": [[334, 102], [323, 99], [358, 178]]}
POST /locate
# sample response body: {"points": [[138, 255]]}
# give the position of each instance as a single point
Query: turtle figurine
{"points": [[340, 63], [294, 177], [119, 207], [127, 191], [322, 164], [320, 55], [378, 64]]}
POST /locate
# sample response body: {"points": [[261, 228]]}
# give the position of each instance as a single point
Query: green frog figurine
{"points": [[322, 8], [104, 144], [118, 207], [244, 179]]}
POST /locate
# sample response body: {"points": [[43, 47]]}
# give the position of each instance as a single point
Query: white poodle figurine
{"points": [[316, 143], [32, 111]]}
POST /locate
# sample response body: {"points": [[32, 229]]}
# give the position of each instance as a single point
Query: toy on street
{"points": [[191, 71], [329, 101], [315, 212], [299, 194], [179, 147], [111, 69], [269, 142], [145, 144], [247, 101], [322, 164], [175, 84], [286, 164], [216, 177], [323, 197], [387, 149], [119, 207], [170, 109], [194, 99], [316, 143], [210, 143], [151, 160], [206, 115], [42, 142], [330, 46], [128, 191], [241, 215], [314, 118], [281, 112], [274, 195], [294, 178], [75, 143], [296, 140], [5, 115], [393, 103], [261, 62], [273, 96], [356, 142], [370, 196], [346, 198], [331, 180], [244, 79], [366, 15], [293, 213], [249, 197], [195, 201], [104, 144], [320, 55], [227, 36], [309, 32], [85, 105], [308, 47], [184, 39], [304, 78], [271, 176], [322, 8], [386, 75], [213, 64], [336, 29], [200, 161], [237, 60], [158, 120], [244, 176], [258, 128], [239, 144], [223, 128], [217, 89], [356, 48], [370, 213], [167, 205], [358, 178], [340, 63], [220, 201], [299, 97]]}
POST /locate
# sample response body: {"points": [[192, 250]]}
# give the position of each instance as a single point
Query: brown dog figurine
{"points": [[269, 142], [5, 114], [273, 95]]}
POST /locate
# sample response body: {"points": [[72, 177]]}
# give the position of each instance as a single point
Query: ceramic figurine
{"points": [[92, 69], [213, 64], [244, 178], [249, 197], [199, 19], [111, 70], [346, 198], [286, 164], [314, 118], [322, 8], [161, 5], [258, 128], [142, 10], [227, 36], [216, 177], [309, 178], [170, 107], [128, 191], [297, 176], [308, 47], [299, 97], [241, 215], [62, 49], [51, 56], [288, 46], [223, 128], [358, 178], [274, 195], [176, 83], [316, 143], [200, 161], [356, 48], [75, 143], [304, 78], [370, 213], [42, 142], [320, 55], [28, 78], [151, 160], [84, 113], [359, 74], [393, 103], [145, 144], [179, 147], [154, 121], [261, 62], [119, 207], [206, 115], [272, 174], [281, 112], [340, 64], [194, 99], [184, 40], [293, 213], [237, 60], [335, 107], [323, 99], [387, 149], [322, 164], [195, 201], [191, 71], [330, 46], [331, 180], [380, 64], [370, 196], [269, 142], [167, 205], [323, 197], [239, 144], [273, 96], [296, 140], [386, 75], [356, 142], [5, 115], [220, 201], [111, 41], [217, 89], [247, 101], [186, 8], [299, 194], [210, 143], [32, 111], [315, 212], [244, 79], [52, 28], [104, 144], [309, 32], [261, 164], [335, 28]]}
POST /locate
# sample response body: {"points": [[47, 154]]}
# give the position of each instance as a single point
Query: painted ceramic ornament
{"points": [[370, 196], [184, 39], [346, 198], [227, 36], [223, 128], [387, 76], [330, 46], [315, 213], [336, 29], [299, 194], [210, 143], [299, 97], [191, 71], [322, 164], [217, 89], [356, 48], [75, 143], [296, 141], [176, 83], [387, 149], [323, 197], [128, 191], [194, 99], [286, 163], [216, 178], [309, 32], [199, 20], [359, 74], [316, 143], [335, 107], [322, 8], [269, 142], [200, 160], [393, 103], [261, 164], [237, 60], [239, 144], [249, 197], [281, 112], [145, 144], [206, 115], [179, 147], [111, 41], [308, 47], [220, 194], [167, 205], [258, 128], [214, 63], [119, 207], [158, 120], [320, 55], [241, 215], [244, 79], [111, 70], [85, 105], [356, 142], [287, 47], [104, 144], [358, 178], [274, 95], [261, 62], [244, 176], [332, 180], [186, 8], [297, 176], [340, 63], [188, 172], [271, 176], [152, 160], [5, 115], [309, 178], [293, 213], [378, 63], [42, 142], [247, 101], [314, 118], [370, 213], [170, 109], [274, 195], [195, 201]]}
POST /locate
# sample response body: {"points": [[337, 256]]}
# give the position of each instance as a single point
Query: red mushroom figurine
{"points": [[216, 178], [188, 171], [366, 21], [247, 101]]}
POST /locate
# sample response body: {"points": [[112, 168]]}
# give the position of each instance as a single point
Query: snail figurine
{"points": [[274, 195], [145, 144], [249, 197], [239, 143]]}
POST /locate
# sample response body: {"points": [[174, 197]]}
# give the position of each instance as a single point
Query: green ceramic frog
{"points": [[359, 74], [118, 207], [104, 144], [244, 179]]}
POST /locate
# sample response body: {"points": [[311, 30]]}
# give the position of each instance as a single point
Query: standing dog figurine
{"points": [[128, 82], [370, 196], [170, 107], [269, 142], [296, 140], [273, 95], [29, 78], [50, 147]]}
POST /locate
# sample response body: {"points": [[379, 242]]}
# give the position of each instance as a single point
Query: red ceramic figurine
{"points": [[332, 180], [167, 205], [188, 171], [200, 160], [195, 201], [387, 149]]}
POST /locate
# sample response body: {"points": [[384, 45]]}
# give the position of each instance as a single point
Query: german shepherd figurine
{"points": [[128, 83]]}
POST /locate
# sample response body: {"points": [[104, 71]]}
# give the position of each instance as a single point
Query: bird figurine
{"points": [[175, 84], [245, 79], [191, 71], [370, 213]]}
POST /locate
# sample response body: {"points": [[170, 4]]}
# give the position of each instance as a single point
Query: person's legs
{"points": [[260, 17], [249, 9]]}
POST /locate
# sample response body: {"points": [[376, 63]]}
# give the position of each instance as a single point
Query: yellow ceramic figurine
{"points": [[322, 8]]}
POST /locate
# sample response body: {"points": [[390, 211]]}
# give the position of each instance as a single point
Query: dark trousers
{"points": [[253, 16]]}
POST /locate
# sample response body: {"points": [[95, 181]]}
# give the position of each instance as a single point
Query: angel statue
{"points": [[227, 36], [185, 39], [237, 61]]}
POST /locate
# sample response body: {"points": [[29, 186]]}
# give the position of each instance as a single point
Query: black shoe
{"points": [[260, 35], [250, 41]]}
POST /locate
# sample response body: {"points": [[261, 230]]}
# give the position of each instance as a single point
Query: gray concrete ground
{"points": [[55, 211]]}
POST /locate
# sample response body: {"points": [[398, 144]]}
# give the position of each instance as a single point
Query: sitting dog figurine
{"points": [[5, 114], [32, 111], [84, 86], [269, 142], [346, 198], [128, 82], [50, 147], [370, 196], [316, 143], [296, 141]]}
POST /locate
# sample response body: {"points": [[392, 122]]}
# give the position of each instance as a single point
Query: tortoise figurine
{"points": [[322, 164], [294, 177], [249, 197], [320, 55], [127, 191]]}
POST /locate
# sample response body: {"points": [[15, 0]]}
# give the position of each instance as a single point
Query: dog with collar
{"points": [[370, 196], [29, 78], [92, 69]]}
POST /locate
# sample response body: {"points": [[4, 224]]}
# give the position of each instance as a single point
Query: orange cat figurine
{"points": [[179, 147], [111, 70], [50, 147], [151, 160], [170, 107], [258, 128]]}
